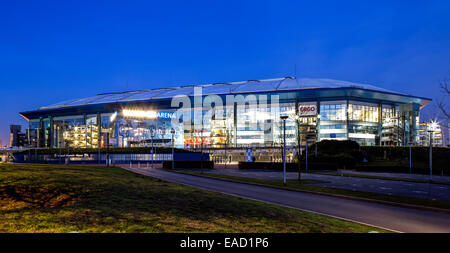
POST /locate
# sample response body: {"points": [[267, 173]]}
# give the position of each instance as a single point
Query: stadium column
{"points": [[397, 119], [99, 127], [346, 119], [85, 130], [318, 121], [404, 135], [28, 135], [380, 124], [235, 124], [38, 133], [51, 134], [414, 124]]}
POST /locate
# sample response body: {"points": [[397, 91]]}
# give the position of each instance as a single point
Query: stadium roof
{"points": [[266, 85]]}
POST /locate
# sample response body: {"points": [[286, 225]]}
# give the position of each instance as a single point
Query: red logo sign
{"points": [[307, 110]]}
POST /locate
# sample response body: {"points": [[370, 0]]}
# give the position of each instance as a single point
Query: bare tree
{"points": [[443, 104]]}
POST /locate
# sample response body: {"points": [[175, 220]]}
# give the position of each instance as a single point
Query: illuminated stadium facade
{"points": [[232, 115]]}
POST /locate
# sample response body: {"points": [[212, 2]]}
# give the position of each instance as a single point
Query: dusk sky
{"points": [[58, 50]]}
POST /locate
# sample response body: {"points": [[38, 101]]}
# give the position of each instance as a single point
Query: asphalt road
{"points": [[394, 218]]}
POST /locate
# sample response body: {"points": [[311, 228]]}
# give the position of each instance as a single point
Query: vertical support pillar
{"points": [[380, 123], [51, 134], [85, 130], [38, 133], [99, 136], [347, 119], [397, 117], [235, 123], [28, 134], [297, 123], [318, 122], [99, 127]]}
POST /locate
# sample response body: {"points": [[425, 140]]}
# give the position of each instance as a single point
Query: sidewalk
{"points": [[397, 175]]}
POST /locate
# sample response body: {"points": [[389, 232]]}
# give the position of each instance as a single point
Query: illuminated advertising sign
{"points": [[148, 114], [307, 110], [166, 115]]}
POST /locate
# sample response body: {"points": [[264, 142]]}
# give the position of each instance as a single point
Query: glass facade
{"points": [[363, 122], [235, 126], [333, 120]]}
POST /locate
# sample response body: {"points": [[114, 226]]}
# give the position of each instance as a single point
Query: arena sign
{"points": [[148, 114], [307, 110]]}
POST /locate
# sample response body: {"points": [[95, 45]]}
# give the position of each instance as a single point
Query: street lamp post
{"points": [[299, 147], [283, 118], [431, 154], [431, 128], [173, 145]]}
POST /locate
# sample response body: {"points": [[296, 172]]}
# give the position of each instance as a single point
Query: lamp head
{"points": [[432, 126]]}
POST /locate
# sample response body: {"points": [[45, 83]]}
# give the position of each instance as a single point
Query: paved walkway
{"points": [[398, 175], [389, 187], [385, 216]]}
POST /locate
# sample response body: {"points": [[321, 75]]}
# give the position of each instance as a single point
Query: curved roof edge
{"points": [[264, 85]]}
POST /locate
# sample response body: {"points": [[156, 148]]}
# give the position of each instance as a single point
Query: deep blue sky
{"points": [[57, 50]]}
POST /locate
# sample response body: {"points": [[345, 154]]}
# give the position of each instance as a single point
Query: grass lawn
{"points": [[61, 198], [306, 186]]}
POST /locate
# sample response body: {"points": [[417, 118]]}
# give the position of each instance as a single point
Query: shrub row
{"points": [[339, 161], [332, 146], [396, 153]]}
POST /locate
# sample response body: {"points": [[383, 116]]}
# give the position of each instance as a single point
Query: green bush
{"points": [[394, 167], [400, 155], [345, 161], [358, 155], [335, 161], [334, 146]]}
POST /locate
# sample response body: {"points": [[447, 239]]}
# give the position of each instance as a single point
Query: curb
{"points": [[435, 209]]}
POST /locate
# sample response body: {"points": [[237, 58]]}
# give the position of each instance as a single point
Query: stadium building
{"points": [[317, 109]]}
